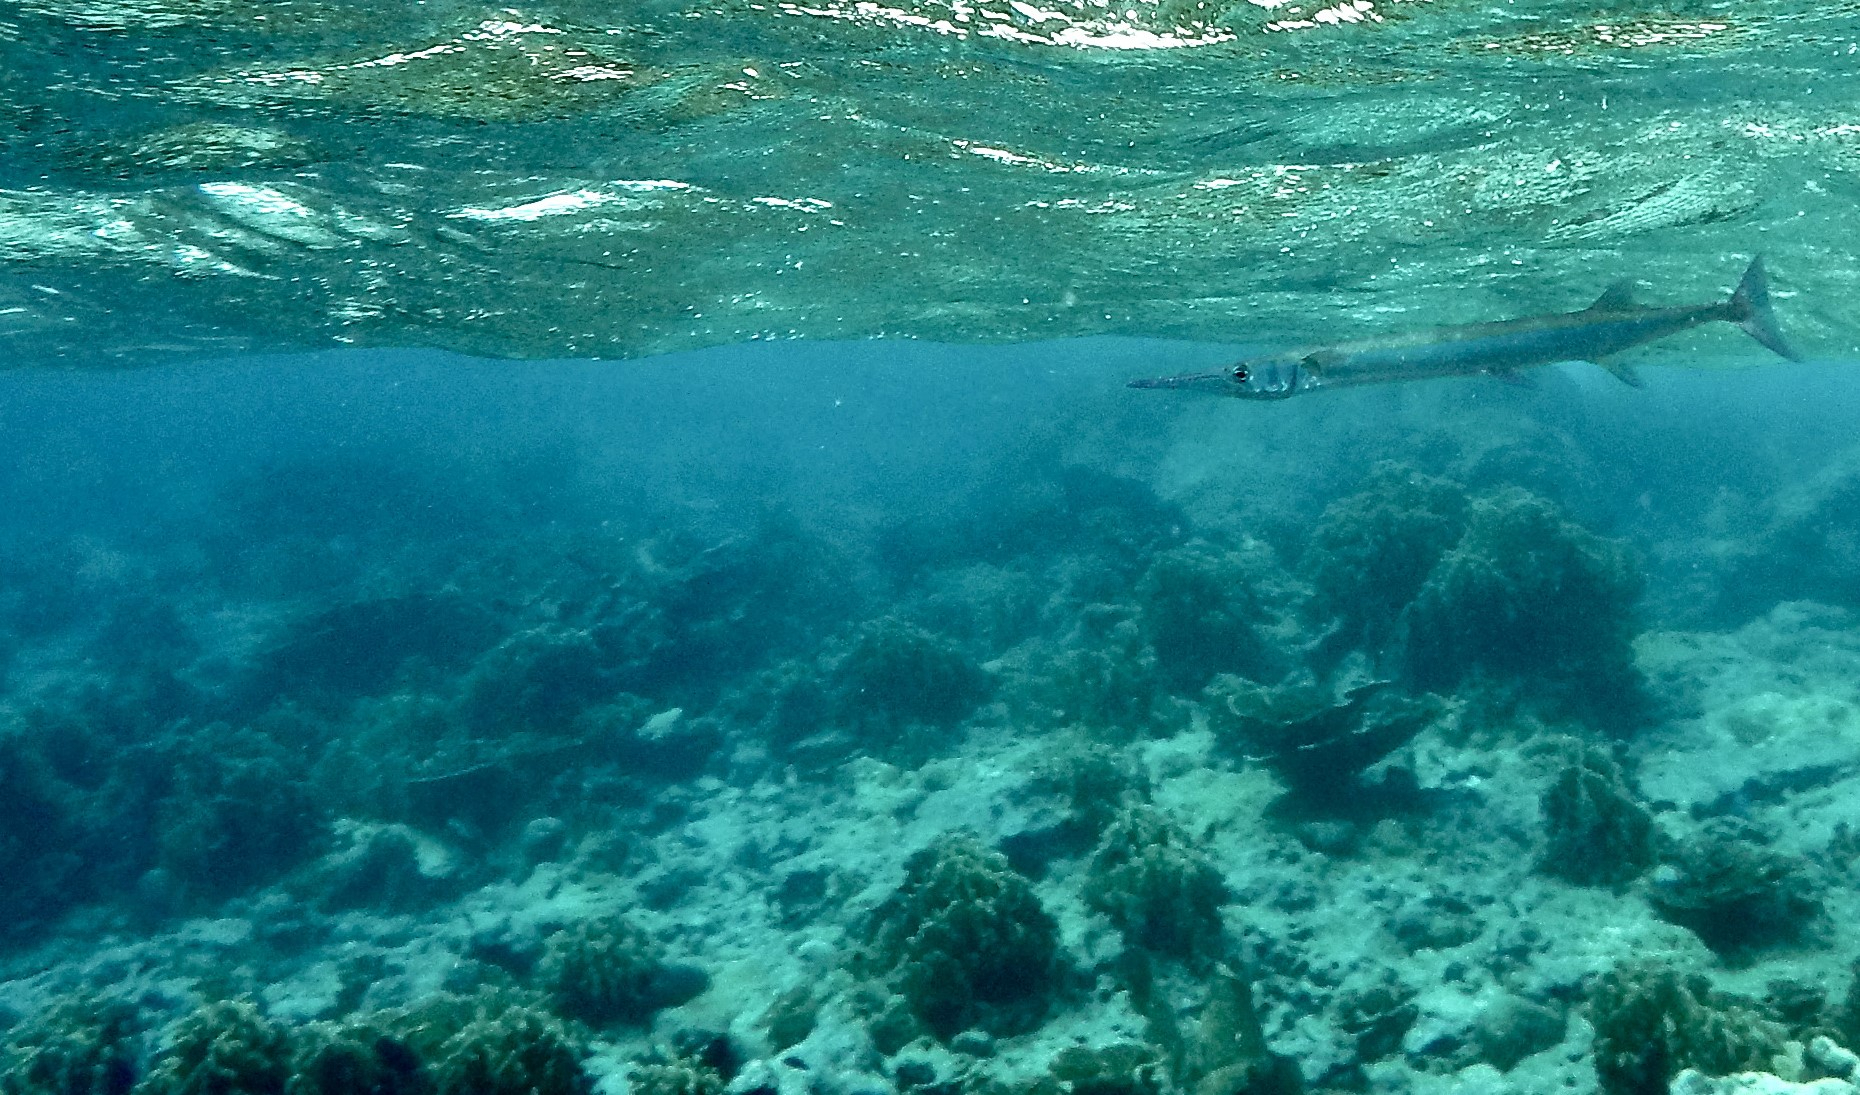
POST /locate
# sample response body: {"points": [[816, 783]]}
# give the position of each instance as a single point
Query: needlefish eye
{"points": [[1241, 374]]}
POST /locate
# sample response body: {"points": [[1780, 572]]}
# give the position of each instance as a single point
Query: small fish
{"points": [[1504, 349]]}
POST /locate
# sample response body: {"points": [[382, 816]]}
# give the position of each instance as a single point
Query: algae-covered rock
{"points": [[1227, 1054], [1652, 1021], [227, 1047], [1511, 1028], [1596, 833], [1377, 1014], [1121, 1068], [965, 939], [1528, 595], [1160, 890]]}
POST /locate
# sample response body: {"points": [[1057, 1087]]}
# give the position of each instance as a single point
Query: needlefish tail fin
{"points": [[1750, 309]]}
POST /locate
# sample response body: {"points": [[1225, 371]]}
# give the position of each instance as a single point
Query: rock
{"points": [[1692, 1082]]}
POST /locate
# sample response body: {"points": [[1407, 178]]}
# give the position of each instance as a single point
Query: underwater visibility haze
{"points": [[606, 549]]}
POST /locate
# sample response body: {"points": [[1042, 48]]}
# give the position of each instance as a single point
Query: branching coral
{"points": [[355, 1058], [1596, 834], [677, 1075], [1155, 885], [608, 970], [224, 1048], [895, 675], [1371, 552], [965, 939], [1205, 611], [79, 1047], [519, 1051], [1526, 594], [1651, 1021]]}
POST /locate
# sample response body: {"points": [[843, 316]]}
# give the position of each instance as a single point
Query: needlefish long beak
{"points": [[1220, 383]]}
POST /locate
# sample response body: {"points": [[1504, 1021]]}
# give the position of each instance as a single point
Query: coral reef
{"points": [[1206, 610], [1652, 1021], [224, 1048], [518, 1051], [239, 812], [536, 680], [79, 1046], [965, 939], [1733, 889], [1156, 886], [355, 1058], [1321, 739], [357, 648], [894, 675], [1094, 783], [1102, 676], [1371, 552], [38, 834], [1527, 595], [1595, 832], [608, 970]]}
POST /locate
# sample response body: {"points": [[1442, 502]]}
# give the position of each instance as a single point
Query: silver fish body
{"points": [[1615, 322]]}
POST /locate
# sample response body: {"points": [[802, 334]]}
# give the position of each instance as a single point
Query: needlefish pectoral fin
{"points": [[1750, 309], [1318, 361]]}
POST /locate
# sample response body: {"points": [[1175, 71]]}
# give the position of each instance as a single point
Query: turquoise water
{"points": [[609, 550], [887, 715]]}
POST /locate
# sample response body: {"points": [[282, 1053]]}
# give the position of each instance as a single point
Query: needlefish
{"points": [[1505, 349]]}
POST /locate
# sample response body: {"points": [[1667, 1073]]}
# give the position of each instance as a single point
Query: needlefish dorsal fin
{"points": [[1616, 298]]}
